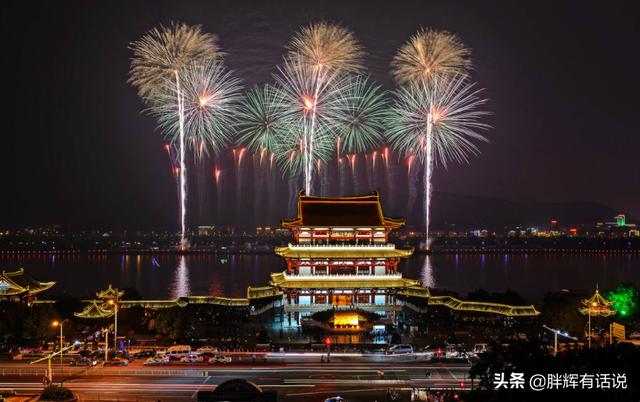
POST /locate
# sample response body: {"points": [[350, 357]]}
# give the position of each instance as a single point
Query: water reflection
{"points": [[427, 273], [180, 286]]}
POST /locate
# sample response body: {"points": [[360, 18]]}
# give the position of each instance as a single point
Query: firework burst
{"points": [[430, 54], [359, 115], [325, 46], [436, 121], [162, 51], [262, 122], [210, 99]]}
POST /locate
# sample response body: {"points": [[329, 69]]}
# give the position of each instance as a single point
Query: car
{"points": [[400, 349], [206, 350], [219, 359], [179, 351], [335, 399], [156, 361], [144, 354], [192, 359], [83, 361], [116, 362]]}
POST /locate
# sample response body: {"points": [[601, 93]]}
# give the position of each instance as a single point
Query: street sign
{"points": [[617, 331]]}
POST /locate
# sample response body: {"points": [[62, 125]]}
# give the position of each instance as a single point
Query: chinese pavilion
{"points": [[17, 286], [341, 257]]}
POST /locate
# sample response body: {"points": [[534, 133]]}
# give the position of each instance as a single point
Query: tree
{"points": [[37, 324], [174, 323], [11, 324], [560, 310]]}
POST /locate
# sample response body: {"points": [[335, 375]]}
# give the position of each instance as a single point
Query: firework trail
{"points": [[412, 182], [239, 156], [217, 176], [272, 193], [436, 121], [208, 99], [159, 56]]}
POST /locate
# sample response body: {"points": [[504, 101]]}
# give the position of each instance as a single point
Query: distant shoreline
{"points": [[477, 251]]}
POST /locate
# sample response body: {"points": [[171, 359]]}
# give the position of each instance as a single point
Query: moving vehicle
{"points": [[116, 362], [480, 348], [179, 351], [144, 354], [220, 359], [400, 349], [207, 350], [83, 361], [156, 361], [192, 359]]}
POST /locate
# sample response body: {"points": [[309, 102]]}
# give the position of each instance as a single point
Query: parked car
{"points": [[116, 362], [219, 359], [400, 349], [179, 351], [192, 359]]}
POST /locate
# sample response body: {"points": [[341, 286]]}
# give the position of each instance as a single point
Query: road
{"points": [[294, 377]]}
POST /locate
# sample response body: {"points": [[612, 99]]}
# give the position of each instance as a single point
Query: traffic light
{"points": [[461, 384], [327, 341]]}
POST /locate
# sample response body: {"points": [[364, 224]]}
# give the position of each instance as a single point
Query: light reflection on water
{"points": [[167, 276], [427, 272], [181, 286]]}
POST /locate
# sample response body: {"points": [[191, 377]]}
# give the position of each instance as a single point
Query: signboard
{"points": [[617, 331]]}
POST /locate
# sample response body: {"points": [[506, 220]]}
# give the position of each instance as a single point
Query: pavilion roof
{"points": [[95, 309], [355, 211], [341, 252], [110, 293], [17, 283], [597, 305], [284, 281]]}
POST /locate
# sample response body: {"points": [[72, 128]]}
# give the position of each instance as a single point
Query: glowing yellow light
{"points": [[55, 323], [350, 319], [308, 102], [205, 100], [110, 302]]}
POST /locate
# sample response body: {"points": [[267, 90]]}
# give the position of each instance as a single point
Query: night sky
{"points": [[562, 80]]}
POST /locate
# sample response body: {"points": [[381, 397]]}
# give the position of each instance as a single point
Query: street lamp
{"points": [[557, 332], [114, 303], [60, 324]]}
